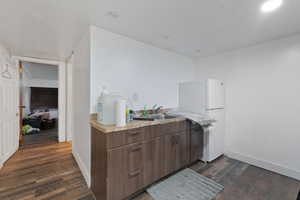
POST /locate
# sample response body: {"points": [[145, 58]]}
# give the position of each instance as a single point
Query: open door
{"points": [[9, 109], [21, 103]]}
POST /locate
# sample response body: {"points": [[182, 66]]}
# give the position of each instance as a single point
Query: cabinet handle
{"points": [[174, 139], [135, 173], [133, 149], [134, 133], [177, 139]]}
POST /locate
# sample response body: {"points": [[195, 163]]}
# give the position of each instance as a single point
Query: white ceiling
{"points": [[51, 28], [40, 71]]}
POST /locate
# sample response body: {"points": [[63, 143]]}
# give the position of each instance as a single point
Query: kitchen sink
{"points": [[169, 117], [153, 117]]}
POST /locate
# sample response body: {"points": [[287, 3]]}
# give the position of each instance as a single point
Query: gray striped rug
{"points": [[185, 185]]}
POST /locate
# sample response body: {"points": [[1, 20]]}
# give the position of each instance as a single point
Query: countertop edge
{"points": [[132, 125]]}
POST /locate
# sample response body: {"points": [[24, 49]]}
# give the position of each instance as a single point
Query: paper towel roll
{"points": [[120, 112]]}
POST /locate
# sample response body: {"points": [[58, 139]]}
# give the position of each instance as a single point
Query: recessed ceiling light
{"points": [[166, 37], [271, 5], [113, 14]]}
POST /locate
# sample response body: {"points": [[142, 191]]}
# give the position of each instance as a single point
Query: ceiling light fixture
{"points": [[113, 14], [271, 5], [166, 37]]}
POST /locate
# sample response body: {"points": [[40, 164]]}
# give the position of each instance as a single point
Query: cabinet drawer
{"points": [[115, 139], [121, 138], [134, 135], [115, 174], [134, 171]]}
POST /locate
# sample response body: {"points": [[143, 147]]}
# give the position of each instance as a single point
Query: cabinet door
{"points": [[196, 143], [134, 168], [170, 154], [153, 160], [181, 150], [116, 174]]}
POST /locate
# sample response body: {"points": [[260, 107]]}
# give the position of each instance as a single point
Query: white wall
{"points": [[70, 115], [40, 75], [262, 103], [125, 66], [81, 106], [26, 100], [129, 67]]}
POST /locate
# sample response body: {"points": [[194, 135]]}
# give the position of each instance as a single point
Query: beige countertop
{"points": [[131, 125]]}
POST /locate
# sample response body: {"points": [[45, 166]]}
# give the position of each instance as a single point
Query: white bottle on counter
{"points": [[106, 108], [120, 109]]}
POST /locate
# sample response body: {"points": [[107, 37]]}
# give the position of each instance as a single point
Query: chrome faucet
{"points": [[156, 109]]}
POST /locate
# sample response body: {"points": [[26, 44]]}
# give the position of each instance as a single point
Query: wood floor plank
{"points": [[43, 169], [245, 182]]}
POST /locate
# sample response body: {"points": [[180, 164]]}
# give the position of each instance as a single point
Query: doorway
{"points": [[38, 103], [42, 105]]}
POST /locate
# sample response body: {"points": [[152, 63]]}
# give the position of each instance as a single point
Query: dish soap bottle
{"points": [[145, 112]]}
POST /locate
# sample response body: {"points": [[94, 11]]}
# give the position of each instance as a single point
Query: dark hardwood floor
{"points": [[45, 137], [45, 169], [245, 182]]}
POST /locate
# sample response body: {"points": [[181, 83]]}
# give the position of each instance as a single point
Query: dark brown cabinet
{"points": [[115, 179], [125, 171], [176, 151], [153, 160], [170, 154], [127, 161], [133, 168]]}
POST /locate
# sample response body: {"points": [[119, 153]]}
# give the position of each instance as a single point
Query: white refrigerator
{"points": [[206, 97]]}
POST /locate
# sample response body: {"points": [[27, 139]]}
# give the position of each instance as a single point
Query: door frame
{"points": [[62, 133], [69, 98], [20, 78]]}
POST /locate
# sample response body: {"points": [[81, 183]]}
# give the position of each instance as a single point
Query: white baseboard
{"points": [[7, 156], [265, 165], [83, 168]]}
